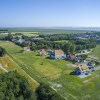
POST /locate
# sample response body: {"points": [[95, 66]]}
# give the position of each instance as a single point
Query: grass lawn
{"points": [[96, 52], [1, 71], [55, 72]]}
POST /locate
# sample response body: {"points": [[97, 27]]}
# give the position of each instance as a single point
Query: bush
{"points": [[2, 51], [44, 92], [15, 87]]}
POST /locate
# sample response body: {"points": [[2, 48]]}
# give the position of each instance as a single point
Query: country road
{"points": [[1, 67]]}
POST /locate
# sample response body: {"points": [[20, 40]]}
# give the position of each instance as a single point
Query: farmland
{"points": [[54, 72], [45, 31], [27, 33]]}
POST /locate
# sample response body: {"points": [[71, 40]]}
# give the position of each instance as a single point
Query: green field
{"points": [[29, 34], [46, 31], [96, 52], [55, 73]]}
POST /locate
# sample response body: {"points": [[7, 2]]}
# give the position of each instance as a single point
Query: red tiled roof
{"points": [[72, 56]]}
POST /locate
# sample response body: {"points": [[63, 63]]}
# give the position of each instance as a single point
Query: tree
{"points": [[44, 92], [2, 51], [9, 37], [15, 87]]}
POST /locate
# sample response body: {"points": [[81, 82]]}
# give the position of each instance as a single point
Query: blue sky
{"points": [[49, 13]]}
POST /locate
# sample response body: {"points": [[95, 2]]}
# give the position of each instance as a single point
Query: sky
{"points": [[49, 13]]}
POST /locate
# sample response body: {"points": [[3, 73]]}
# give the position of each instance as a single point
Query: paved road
{"points": [[1, 67]]}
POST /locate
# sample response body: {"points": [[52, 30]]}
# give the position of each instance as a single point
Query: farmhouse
{"points": [[26, 48], [72, 57], [82, 69], [57, 54], [42, 52]]}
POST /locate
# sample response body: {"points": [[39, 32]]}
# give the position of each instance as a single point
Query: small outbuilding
{"points": [[26, 48], [42, 52]]}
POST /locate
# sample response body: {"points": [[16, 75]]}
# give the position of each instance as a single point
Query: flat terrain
{"points": [[46, 31], [27, 33], [96, 52], [55, 72]]}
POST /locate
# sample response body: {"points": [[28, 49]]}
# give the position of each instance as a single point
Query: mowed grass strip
{"points": [[46, 70], [10, 65]]}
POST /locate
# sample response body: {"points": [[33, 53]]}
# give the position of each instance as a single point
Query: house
{"points": [[57, 54], [82, 69], [74, 58], [20, 41], [42, 52], [26, 48], [91, 64], [71, 57]]}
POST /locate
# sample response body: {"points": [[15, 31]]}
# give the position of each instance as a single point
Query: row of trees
{"points": [[48, 42], [15, 87]]}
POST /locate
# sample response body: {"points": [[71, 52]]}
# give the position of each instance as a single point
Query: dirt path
{"points": [[1, 67]]}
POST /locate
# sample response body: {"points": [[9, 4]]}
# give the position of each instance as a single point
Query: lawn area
{"points": [[96, 52], [1, 71], [54, 72]]}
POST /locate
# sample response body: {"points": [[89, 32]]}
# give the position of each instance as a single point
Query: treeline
{"points": [[15, 87], [3, 30], [85, 44], [56, 37], [48, 42]]}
